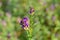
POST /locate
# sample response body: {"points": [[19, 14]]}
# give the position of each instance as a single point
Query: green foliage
{"points": [[44, 23]]}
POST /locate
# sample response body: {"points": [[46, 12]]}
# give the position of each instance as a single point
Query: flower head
{"points": [[25, 22]]}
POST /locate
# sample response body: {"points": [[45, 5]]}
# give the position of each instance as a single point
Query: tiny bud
{"points": [[31, 11]]}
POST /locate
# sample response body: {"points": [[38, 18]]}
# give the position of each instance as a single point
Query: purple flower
{"points": [[53, 18], [24, 22], [26, 25], [52, 7], [31, 10]]}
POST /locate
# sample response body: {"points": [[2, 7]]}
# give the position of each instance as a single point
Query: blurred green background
{"points": [[44, 23]]}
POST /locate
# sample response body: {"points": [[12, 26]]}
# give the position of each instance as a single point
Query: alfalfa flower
{"points": [[25, 23], [31, 10], [52, 7]]}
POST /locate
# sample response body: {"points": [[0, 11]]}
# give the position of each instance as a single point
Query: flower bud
{"points": [[31, 11]]}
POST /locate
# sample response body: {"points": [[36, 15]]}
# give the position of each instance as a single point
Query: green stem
{"points": [[28, 35]]}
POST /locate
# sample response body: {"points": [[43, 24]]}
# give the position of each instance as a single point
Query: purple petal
{"points": [[27, 25], [25, 19], [21, 22], [31, 10]]}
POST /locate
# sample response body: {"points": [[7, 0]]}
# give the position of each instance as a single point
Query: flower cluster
{"points": [[25, 23]]}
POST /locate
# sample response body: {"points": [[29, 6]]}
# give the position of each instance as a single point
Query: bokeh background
{"points": [[44, 22]]}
